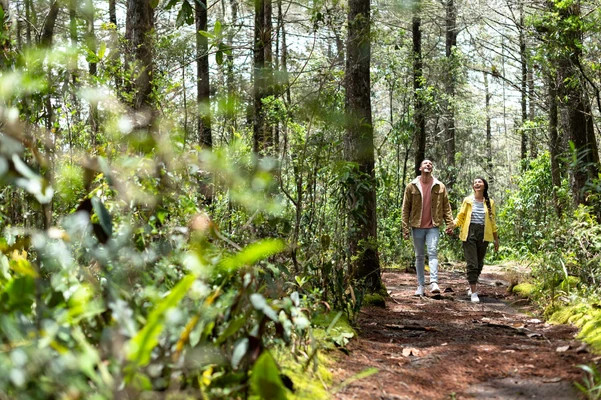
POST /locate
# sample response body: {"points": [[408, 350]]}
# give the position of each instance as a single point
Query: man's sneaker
{"points": [[434, 288], [419, 291], [475, 298]]}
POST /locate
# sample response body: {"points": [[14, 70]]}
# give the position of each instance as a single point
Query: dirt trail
{"points": [[445, 347]]}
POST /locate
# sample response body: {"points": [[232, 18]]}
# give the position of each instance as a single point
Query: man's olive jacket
{"points": [[412, 205]]}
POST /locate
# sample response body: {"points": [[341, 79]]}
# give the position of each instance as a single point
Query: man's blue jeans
{"points": [[422, 238]]}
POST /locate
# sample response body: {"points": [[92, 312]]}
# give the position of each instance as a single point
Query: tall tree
{"points": [[572, 91], [419, 111], [487, 97], [46, 39], [92, 45], [5, 50], [138, 30], [359, 148], [554, 140], [263, 141], [112, 12], [203, 87], [523, 84], [230, 78], [450, 79]]}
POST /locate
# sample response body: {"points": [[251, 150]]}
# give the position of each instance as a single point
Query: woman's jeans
{"points": [[422, 238], [474, 249]]}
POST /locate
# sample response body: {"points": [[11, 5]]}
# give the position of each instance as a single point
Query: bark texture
{"points": [[359, 148]]}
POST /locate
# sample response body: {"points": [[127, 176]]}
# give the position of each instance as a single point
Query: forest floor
{"points": [[445, 347]]}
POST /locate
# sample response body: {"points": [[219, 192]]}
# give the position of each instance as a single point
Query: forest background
{"points": [[190, 188]]}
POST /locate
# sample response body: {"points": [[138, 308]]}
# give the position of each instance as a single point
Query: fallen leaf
{"points": [[562, 349], [410, 351], [534, 321]]}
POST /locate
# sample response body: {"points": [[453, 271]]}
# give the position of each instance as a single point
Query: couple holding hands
{"points": [[426, 205]]}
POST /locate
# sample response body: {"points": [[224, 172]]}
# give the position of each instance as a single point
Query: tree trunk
{"points": [[532, 113], [230, 78], [359, 148], [554, 141], [138, 29], [5, 47], [487, 97], [524, 87], [46, 42], [419, 106], [203, 88], [48, 28], [449, 120], [92, 44], [28, 7], [112, 12], [263, 141], [578, 111]]}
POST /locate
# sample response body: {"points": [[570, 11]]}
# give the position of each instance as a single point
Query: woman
{"points": [[476, 219]]}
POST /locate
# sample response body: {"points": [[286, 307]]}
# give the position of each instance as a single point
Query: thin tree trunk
{"points": [[112, 12], [449, 120], [554, 141], [5, 43], [359, 148], [488, 130], [28, 7], [262, 132], [92, 44], [532, 113], [524, 87], [419, 106], [230, 78], [203, 88], [46, 42]]}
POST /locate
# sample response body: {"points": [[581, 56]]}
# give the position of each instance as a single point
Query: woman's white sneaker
{"points": [[474, 297], [419, 291], [434, 288]]}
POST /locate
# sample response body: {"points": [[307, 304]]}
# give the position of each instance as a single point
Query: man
{"points": [[425, 206]]}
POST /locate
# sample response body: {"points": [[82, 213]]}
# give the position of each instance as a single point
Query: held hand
{"points": [[449, 230], [406, 235], [496, 244]]}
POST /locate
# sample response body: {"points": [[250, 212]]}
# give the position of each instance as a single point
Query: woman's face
{"points": [[478, 186]]}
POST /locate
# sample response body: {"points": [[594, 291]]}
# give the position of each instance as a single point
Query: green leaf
{"points": [[104, 218], [239, 352], [140, 347], [185, 15], [206, 34], [219, 57], [231, 329], [265, 380], [102, 50], [19, 295], [170, 4], [253, 253], [361, 375], [154, 3], [259, 303], [217, 28]]}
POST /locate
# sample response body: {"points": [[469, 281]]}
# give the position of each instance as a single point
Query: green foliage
{"points": [[265, 379], [591, 383], [524, 289]]}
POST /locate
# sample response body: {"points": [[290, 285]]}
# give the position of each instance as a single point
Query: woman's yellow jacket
{"points": [[465, 216]]}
